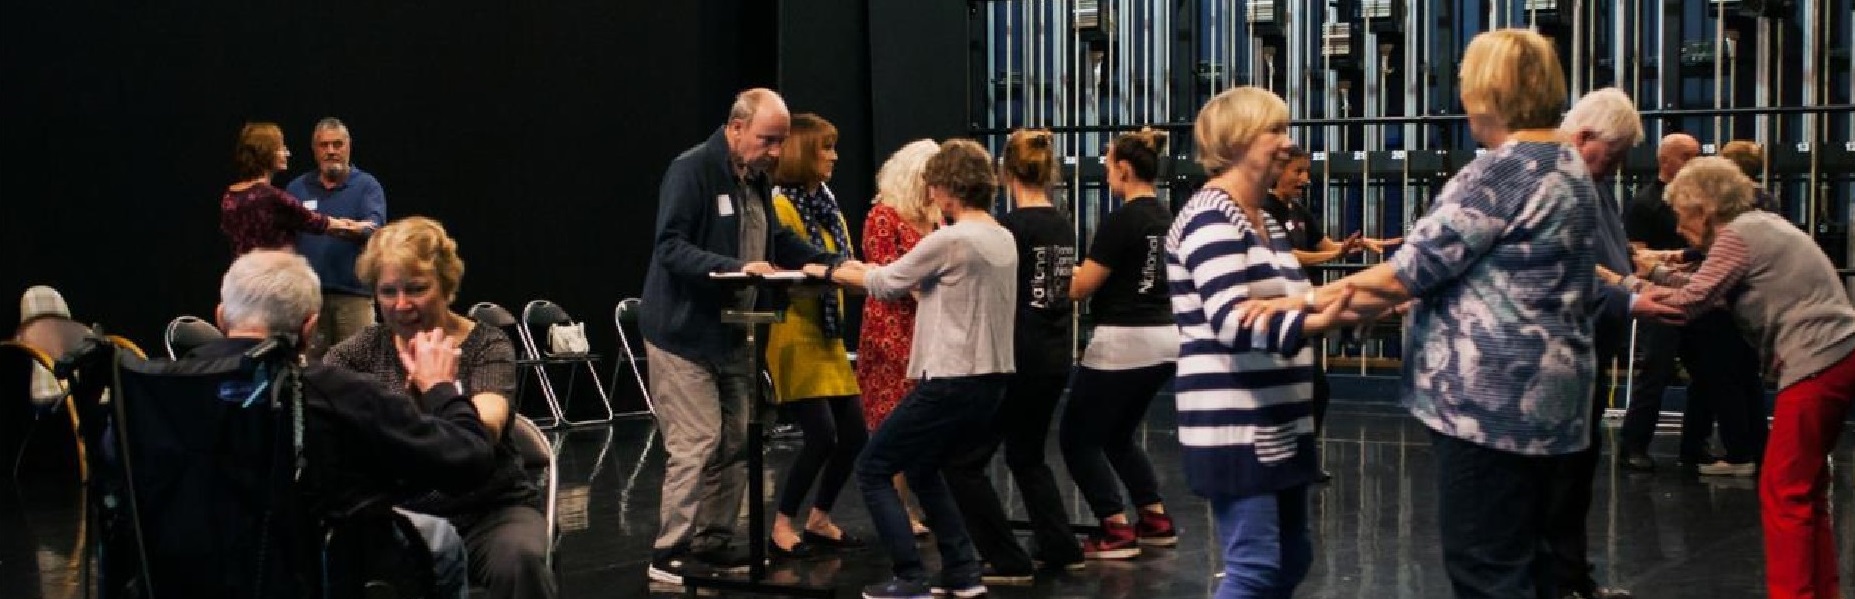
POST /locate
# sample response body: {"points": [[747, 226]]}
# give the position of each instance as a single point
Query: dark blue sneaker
{"points": [[897, 589]]}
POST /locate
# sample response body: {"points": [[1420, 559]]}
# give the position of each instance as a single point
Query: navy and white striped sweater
{"points": [[1244, 393]]}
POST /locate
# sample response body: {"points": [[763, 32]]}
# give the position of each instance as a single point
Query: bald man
{"points": [[713, 215], [1722, 368]]}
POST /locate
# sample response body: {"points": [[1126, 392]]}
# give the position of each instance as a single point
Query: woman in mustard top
{"points": [[812, 378]]}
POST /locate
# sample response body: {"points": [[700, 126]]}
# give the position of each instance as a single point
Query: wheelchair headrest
{"points": [[186, 333]]}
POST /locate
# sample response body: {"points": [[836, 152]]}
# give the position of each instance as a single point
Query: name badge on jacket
{"points": [[724, 205]]}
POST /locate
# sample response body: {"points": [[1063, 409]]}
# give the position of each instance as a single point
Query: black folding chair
{"points": [[631, 359], [542, 314], [187, 332], [538, 457]]}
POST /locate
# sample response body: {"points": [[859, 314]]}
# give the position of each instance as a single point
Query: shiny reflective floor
{"points": [[1661, 534]]}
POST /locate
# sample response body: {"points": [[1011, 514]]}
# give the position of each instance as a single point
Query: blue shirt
{"points": [[1499, 347], [360, 197]]}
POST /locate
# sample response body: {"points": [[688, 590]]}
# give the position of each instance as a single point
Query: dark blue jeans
{"points": [[1267, 551], [914, 441], [1493, 509]]}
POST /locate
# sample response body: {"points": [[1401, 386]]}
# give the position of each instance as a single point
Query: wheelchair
{"points": [[199, 481]]}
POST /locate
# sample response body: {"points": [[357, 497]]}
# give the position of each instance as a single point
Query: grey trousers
{"points": [[702, 413], [342, 316]]}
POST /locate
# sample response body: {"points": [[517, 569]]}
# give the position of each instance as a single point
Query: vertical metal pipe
{"points": [[1619, 51], [1812, 95], [1761, 83], [1719, 70], [1578, 49]]}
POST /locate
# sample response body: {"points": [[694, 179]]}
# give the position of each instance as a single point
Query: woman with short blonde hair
{"points": [[1245, 418], [1503, 264], [413, 267]]}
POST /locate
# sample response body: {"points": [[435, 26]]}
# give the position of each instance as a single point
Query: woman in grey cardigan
{"points": [[966, 277], [1789, 302]]}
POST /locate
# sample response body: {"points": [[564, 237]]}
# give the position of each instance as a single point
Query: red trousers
{"points": [[1800, 546]]}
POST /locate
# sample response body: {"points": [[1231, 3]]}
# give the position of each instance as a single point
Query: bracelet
{"points": [[1308, 299], [830, 272]]}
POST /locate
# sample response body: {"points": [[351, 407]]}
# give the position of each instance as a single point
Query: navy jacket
{"points": [[682, 307], [360, 197]]}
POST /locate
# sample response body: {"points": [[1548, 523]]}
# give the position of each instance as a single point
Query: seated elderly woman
{"points": [[1791, 304], [413, 267]]}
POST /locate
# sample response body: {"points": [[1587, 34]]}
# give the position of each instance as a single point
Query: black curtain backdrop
{"points": [[537, 132]]}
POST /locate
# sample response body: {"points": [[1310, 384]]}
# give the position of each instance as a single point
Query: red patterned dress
{"points": [[888, 327]]}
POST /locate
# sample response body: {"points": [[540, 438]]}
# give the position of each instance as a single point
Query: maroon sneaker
{"points": [[1115, 541], [1156, 529]]}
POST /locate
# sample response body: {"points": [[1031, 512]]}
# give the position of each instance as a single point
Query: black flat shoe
{"points": [[844, 541], [799, 550]]}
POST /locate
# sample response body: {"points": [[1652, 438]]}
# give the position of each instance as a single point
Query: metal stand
{"points": [[756, 476]]}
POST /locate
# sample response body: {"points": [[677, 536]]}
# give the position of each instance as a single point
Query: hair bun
{"points": [[1040, 140]]}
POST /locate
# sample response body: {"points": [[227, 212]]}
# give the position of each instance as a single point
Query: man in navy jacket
{"points": [[714, 214]]}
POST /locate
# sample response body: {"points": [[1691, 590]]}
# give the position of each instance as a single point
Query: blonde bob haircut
{"points": [[1513, 75], [417, 245], [1714, 186], [899, 184], [1229, 122]]}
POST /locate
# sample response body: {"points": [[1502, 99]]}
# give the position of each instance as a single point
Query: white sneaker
{"points": [[1725, 468]]}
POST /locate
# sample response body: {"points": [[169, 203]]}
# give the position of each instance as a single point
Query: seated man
{"points": [[436, 441]]}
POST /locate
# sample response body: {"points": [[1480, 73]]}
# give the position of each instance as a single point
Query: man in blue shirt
{"points": [[338, 189]]}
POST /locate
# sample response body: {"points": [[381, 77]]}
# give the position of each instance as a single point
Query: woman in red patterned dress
{"points": [[902, 215]]}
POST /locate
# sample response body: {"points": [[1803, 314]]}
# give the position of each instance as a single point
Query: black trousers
{"points": [[1491, 508], [1568, 494], [1725, 389], [1106, 409], [834, 435], [1022, 424], [508, 552]]}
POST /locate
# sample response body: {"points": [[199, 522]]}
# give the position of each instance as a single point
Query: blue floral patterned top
{"points": [[1499, 341]]}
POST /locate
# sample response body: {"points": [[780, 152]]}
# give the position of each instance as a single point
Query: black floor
{"points": [[1664, 534]]}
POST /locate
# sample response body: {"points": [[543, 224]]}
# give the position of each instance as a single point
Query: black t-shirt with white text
{"points": [[1046, 260], [1131, 242]]}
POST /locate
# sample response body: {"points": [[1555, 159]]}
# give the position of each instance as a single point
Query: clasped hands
{"points": [[430, 359], [1355, 242], [1327, 307]]}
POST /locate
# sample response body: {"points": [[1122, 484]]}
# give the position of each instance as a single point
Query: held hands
{"points": [[430, 359], [1331, 301], [1608, 277], [1377, 246], [1649, 304]]}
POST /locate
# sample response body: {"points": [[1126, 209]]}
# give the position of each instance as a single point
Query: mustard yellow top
{"points": [[804, 364]]}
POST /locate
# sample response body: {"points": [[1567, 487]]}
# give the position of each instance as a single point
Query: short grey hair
{"points": [[330, 122], [1607, 112], [273, 289], [1713, 185], [749, 103]]}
